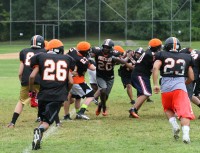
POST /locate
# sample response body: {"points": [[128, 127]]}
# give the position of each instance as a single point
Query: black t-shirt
{"points": [[174, 64], [53, 69], [144, 64], [104, 63], [24, 57]]}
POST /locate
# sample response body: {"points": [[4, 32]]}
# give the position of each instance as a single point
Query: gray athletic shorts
{"points": [[105, 84]]}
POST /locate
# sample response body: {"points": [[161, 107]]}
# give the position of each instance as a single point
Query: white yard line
{"points": [[51, 131]]}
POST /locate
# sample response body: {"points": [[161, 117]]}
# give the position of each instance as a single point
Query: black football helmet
{"points": [[139, 50], [37, 41], [108, 45], [172, 44]]}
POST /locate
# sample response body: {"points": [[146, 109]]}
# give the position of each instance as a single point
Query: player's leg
{"points": [[184, 111], [170, 114], [24, 99], [143, 87]]}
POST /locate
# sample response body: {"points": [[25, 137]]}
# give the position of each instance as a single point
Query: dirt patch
{"points": [[9, 56]]}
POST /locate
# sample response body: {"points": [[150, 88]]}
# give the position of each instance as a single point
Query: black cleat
{"points": [[67, 117], [132, 102], [149, 100]]}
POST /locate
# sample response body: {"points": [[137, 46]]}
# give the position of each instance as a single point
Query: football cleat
{"points": [[36, 139], [176, 133], [149, 100], [95, 102], [132, 102], [186, 139], [67, 117], [38, 119], [10, 125], [58, 125], [82, 116], [133, 113], [105, 112], [98, 110]]}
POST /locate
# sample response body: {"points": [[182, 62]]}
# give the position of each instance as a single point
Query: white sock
{"points": [[186, 130], [173, 122]]}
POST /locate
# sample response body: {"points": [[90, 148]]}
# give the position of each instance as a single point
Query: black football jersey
{"points": [[104, 63], [53, 69], [144, 64], [125, 71], [174, 64], [82, 63], [196, 56], [24, 57]]}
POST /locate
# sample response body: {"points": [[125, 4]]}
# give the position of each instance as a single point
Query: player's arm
{"points": [[155, 74], [190, 77], [92, 67], [32, 78], [121, 61], [74, 72], [21, 68], [70, 81]]}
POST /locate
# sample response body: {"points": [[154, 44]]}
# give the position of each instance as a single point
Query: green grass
{"points": [[116, 133]]}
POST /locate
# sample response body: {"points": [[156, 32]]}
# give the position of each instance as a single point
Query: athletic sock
{"points": [[82, 110], [186, 130], [173, 122], [77, 110], [15, 117]]}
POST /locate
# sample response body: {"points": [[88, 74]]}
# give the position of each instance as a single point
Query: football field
{"points": [[115, 133]]}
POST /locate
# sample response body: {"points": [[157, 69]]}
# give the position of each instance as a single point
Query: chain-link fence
{"points": [[97, 19]]}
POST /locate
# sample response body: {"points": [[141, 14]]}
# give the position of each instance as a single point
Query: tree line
{"points": [[144, 18]]}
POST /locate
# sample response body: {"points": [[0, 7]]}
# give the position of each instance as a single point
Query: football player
{"points": [[37, 46], [192, 92], [54, 69], [105, 58], [141, 74], [174, 68], [80, 88], [125, 74]]}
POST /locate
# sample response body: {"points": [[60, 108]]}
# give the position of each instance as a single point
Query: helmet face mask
{"points": [[155, 45], [37, 41], [138, 52], [107, 45], [84, 53], [172, 44], [56, 46], [83, 48]]}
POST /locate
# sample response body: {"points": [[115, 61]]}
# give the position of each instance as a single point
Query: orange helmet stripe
{"points": [[35, 40]]}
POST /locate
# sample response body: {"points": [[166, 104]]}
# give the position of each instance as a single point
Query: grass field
{"points": [[116, 133]]}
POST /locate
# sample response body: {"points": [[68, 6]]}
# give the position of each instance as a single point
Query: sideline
{"points": [[51, 131]]}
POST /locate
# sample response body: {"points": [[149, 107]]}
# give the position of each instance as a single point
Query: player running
{"points": [[37, 46], [80, 88], [105, 58], [174, 68], [53, 68], [141, 74]]}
